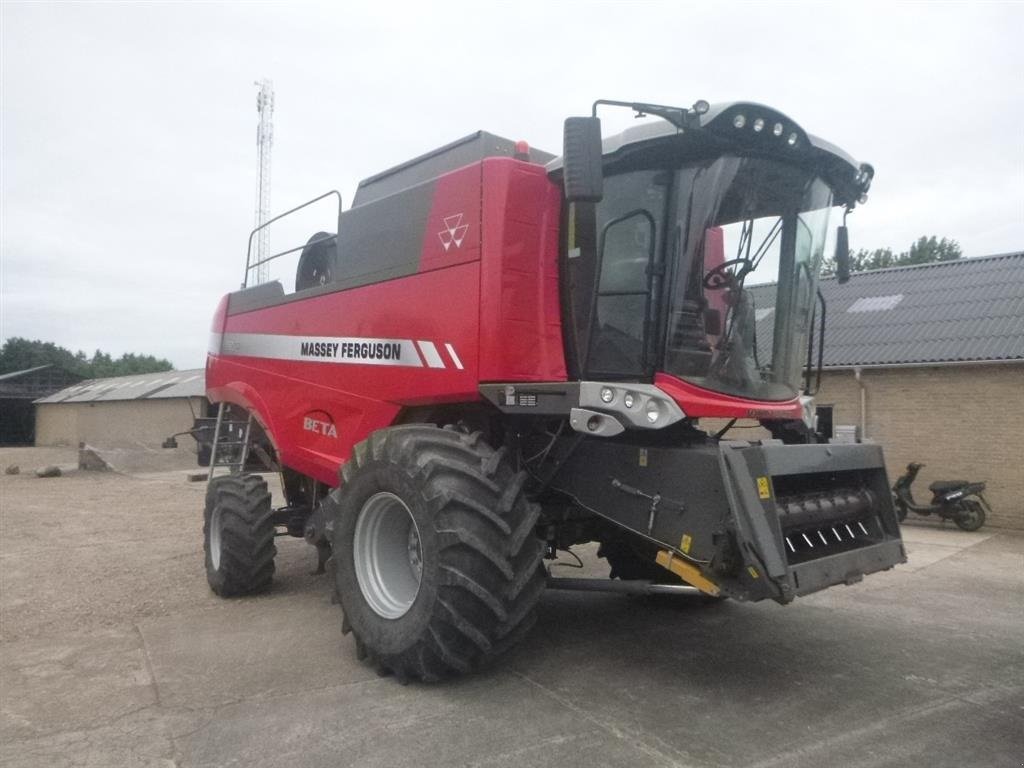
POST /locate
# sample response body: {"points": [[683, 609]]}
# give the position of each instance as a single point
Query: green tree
{"points": [[17, 354], [927, 250], [924, 250]]}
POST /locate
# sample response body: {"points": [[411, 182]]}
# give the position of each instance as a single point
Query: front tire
{"points": [[901, 510], [437, 564], [238, 534]]}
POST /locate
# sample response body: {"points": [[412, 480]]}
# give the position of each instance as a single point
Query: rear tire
{"points": [[971, 517], [436, 559], [238, 533]]}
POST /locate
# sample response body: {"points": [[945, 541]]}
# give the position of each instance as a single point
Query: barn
{"points": [[19, 390], [140, 410]]}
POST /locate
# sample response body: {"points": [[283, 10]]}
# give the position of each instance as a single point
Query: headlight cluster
{"points": [[759, 124], [640, 405]]}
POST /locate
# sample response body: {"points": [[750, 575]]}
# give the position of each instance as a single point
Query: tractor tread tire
{"points": [[481, 596], [246, 535]]}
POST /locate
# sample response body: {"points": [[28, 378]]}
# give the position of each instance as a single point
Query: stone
{"points": [[90, 460]]}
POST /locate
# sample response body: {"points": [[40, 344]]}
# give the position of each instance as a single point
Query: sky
{"points": [[128, 161]]}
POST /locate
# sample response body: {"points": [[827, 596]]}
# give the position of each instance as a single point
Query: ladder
{"points": [[229, 454]]}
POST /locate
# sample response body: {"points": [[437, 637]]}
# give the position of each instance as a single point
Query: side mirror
{"points": [[581, 160], [842, 255]]}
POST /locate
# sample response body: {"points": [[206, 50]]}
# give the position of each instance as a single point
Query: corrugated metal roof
{"points": [[18, 374], [191, 383], [968, 310]]}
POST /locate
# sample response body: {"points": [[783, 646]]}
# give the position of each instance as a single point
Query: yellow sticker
{"points": [[763, 489], [643, 457], [752, 571], [686, 542]]}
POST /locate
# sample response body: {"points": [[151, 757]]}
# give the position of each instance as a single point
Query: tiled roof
{"points": [[968, 310]]}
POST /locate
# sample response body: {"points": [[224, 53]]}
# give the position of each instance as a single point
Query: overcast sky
{"points": [[128, 130]]}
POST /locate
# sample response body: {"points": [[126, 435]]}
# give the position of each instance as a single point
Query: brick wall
{"points": [[964, 422], [115, 423]]}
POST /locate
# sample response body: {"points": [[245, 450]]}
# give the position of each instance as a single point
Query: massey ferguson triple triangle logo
{"points": [[454, 231]]}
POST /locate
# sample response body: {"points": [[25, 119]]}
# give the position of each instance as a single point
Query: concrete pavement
{"points": [[114, 652]]}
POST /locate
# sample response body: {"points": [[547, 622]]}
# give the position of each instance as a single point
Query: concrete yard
{"points": [[115, 653]]}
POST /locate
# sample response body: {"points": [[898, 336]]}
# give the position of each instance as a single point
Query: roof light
{"points": [[739, 121], [701, 107], [792, 139], [777, 129], [758, 125]]}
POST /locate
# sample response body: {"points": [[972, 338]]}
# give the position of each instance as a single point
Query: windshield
{"points": [[750, 233]]}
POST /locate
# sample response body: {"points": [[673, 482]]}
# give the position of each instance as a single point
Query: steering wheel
{"points": [[719, 277]]}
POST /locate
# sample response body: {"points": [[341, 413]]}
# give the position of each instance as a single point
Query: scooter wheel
{"points": [[901, 512], [971, 517]]}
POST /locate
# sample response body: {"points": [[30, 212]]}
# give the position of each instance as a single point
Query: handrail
{"points": [[249, 266]]}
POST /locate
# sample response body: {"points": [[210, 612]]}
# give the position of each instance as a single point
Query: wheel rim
{"points": [[215, 538], [969, 517], [388, 555]]}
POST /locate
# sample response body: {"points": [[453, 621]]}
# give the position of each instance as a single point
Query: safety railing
{"points": [[250, 265]]}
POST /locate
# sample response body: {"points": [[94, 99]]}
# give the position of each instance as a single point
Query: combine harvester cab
{"points": [[501, 354]]}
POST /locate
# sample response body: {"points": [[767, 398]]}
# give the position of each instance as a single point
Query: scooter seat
{"points": [[943, 486]]}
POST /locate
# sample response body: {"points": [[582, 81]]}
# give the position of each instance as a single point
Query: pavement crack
{"points": [[637, 741], [149, 666]]}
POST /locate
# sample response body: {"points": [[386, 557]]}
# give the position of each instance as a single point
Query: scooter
{"points": [[951, 500]]}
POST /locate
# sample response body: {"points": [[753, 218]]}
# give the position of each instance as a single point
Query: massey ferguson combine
{"points": [[501, 354]]}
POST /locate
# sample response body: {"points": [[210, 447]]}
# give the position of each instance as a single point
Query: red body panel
{"points": [[483, 308], [697, 402], [520, 315], [322, 373]]}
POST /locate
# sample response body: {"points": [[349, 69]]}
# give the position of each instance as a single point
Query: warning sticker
{"points": [[686, 543], [764, 490]]}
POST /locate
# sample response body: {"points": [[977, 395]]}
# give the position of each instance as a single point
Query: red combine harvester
{"points": [[502, 354]]}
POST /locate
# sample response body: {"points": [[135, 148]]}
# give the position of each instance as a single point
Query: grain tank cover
{"points": [[460, 153]]}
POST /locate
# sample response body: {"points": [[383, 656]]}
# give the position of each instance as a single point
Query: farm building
{"points": [[18, 390], [124, 411], [928, 361]]}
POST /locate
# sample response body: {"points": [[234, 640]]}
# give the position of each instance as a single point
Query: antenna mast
{"points": [[264, 143]]}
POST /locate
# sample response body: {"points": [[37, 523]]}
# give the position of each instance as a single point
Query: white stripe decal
{"points": [[455, 357], [323, 349], [430, 354]]}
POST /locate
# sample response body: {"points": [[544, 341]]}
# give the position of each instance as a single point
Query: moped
{"points": [[951, 500]]}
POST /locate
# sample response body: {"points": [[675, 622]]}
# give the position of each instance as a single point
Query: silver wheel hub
{"points": [[215, 538], [387, 555]]}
